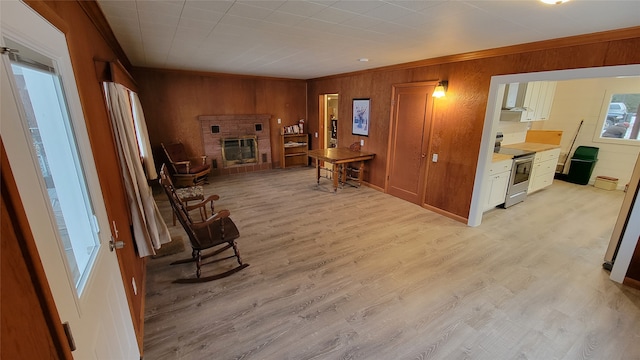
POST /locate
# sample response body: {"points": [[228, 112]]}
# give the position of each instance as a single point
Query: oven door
{"points": [[520, 174], [519, 181]]}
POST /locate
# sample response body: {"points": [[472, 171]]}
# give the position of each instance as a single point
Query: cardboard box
{"points": [[606, 183]]}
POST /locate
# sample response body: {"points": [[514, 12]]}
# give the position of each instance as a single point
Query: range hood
{"points": [[514, 94]]}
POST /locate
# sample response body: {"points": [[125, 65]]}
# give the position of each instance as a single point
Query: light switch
{"points": [[279, 121], [434, 158], [316, 134], [361, 142]]}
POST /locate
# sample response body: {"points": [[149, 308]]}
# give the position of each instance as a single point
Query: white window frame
{"points": [[604, 109]]}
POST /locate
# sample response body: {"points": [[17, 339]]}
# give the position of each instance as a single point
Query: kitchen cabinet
{"points": [[526, 102], [543, 170], [496, 184], [545, 100]]}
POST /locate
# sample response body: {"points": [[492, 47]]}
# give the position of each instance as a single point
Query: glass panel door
{"points": [[52, 136]]}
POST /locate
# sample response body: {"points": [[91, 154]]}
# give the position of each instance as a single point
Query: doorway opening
{"points": [[496, 91], [331, 121], [328, 116]]}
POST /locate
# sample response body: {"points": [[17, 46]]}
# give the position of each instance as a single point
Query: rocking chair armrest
{"points": [[222, 214], [201, 203], [202, 206], [186, 164], [211, 199], [202, 159]]}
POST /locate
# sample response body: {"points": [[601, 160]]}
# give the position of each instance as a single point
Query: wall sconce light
{"points": [[441, 89]]}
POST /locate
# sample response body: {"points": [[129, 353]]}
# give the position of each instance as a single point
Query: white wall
{"points": [[584, 99]]}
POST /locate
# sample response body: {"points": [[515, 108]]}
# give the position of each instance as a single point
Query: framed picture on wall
{"points": [[361, 117]]}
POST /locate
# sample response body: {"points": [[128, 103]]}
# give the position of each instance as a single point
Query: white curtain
{"points": [[143, 137], [149, 229]]}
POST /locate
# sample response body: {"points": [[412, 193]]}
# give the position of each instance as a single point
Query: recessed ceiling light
{"points": [[363, 59], [554, 2]]}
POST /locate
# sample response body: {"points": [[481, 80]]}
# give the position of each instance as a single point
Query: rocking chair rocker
{"points": [[213, 231]]}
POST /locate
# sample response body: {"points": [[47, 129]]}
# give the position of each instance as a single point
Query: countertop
{"points": [[535, 147], [500, 157], [528, 146]]}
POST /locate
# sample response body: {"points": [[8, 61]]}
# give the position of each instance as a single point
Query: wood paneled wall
{"points": [[459, 117], [86, 43], [173, 100]]}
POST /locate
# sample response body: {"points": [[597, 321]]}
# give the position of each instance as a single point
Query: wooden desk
{"points": [[340, 157]]}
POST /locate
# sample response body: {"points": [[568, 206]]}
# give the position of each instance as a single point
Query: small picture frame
{"points": [[361, 112]]}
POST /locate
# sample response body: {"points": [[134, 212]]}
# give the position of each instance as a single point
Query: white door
{"points": [[45, 136]]}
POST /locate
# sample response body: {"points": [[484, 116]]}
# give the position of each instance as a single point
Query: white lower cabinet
{"points": [[495, 188], [543, 170]]}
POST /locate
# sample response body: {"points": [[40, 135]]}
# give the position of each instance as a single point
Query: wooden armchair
{"points": [[212, 231], [185, 172]]}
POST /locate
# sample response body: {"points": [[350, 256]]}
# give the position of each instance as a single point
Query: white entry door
{"points": [[45, 136]]}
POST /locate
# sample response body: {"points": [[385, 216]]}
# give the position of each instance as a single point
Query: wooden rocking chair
{"points": [[185, 172], [215, 230]]}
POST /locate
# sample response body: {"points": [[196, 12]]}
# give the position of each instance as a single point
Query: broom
{"points": [[561, 175]]}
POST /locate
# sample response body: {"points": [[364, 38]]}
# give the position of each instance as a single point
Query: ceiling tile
{"points": [[301, 8], [249, 11], [283, 18], [388, 12], [221, 6], [267, 4]]}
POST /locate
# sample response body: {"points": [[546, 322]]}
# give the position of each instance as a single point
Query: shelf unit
{"points": [[294, 150]]}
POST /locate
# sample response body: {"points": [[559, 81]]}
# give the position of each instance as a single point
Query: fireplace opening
{"points": [[239, 150]]}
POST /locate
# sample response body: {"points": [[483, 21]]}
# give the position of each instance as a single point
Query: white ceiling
{"points": [[305, 39]]}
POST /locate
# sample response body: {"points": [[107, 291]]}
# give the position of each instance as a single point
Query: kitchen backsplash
{"points": [[513, 132]]}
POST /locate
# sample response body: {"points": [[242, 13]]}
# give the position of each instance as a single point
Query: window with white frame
{"points": [[618, 117]]}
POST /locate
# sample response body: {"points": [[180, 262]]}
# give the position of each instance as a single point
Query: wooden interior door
{"points": [[409, 140]]}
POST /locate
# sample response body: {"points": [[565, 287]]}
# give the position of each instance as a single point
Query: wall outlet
{"points": [[361, 142], [279, 121]]}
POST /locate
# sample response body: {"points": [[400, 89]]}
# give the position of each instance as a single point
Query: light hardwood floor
{"points": [[363, 275]]}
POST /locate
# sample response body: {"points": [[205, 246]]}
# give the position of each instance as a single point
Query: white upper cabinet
{"points": [[528, 101]]}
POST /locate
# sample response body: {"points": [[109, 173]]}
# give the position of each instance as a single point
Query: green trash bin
{"points": [[582, 163]]}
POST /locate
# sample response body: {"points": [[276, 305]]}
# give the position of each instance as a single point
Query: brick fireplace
{"points": [[218, 130]]}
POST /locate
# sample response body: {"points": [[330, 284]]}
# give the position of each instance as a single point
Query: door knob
{"points": [[115, 244], [423, 155]]}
